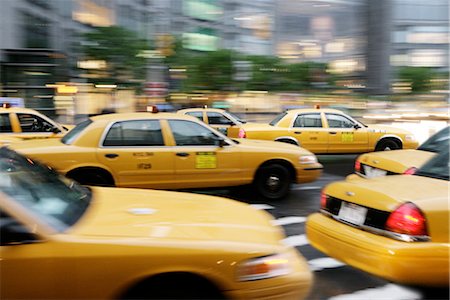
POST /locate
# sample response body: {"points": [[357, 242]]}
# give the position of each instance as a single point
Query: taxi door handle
{"points": [[332, 132], [182, 154], [297, 132], [111, 155]]}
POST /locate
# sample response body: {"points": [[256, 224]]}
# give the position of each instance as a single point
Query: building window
{"points": [[36, 31]]}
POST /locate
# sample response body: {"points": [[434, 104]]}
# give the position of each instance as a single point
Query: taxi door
{"points": [[308, 129], [136, 154], [199, 161], [343, 137], [28, 126]]}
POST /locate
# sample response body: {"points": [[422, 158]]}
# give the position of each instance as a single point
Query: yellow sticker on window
{"points": [[347, 137], [205, 160]]}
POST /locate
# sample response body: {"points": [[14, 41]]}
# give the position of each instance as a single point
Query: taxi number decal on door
{"points": [[205, 160], [347, 137]]}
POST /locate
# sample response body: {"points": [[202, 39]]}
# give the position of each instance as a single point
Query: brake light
{"points": [[407, 219], [357, 166], [323, 200], [242, 133], [410, 171]]}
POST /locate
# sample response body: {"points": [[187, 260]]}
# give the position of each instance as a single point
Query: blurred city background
{"points": [[384, 60]]}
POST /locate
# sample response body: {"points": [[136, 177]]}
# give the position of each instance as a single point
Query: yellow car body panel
{"points": [[396, 161], [15, 131], [326, 138], [114, 246], [159, 166], [422, 263]]}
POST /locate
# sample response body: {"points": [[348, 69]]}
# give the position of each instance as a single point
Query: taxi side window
{"points": [[308, 120], [197, 114], [33, 123], [215, 118], [5, 124], [135, 133], [188, 133], [338, 121]]}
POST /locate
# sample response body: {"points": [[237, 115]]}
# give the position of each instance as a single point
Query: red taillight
{"points": [[323, 200], [242, 133], [407, 219], [410, 171], [357, 166]]}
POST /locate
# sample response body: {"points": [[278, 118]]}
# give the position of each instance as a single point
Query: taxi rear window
{"points": [[277, 119], [75, 132]]}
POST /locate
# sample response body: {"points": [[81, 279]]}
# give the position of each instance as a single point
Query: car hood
{"points": [[396, 161], [270, 145], [387, 193], [161, 215], [387, 129]]}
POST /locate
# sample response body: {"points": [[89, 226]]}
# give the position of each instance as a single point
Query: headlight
{"points": [[308, 159], [264, 267], [410, 137]]}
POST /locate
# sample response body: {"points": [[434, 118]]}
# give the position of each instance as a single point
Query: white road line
{"points": [[387, 292], [289, 220], [262, 206], [296, 240], [305, 188], [324, 263]]}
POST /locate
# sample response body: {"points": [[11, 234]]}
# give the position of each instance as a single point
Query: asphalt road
{"points": [[333, 279]]}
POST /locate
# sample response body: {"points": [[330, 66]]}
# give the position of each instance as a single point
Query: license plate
{"points": [[352, 213], [372, 172]]}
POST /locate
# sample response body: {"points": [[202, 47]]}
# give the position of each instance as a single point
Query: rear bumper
{"points": [[418, 263]]}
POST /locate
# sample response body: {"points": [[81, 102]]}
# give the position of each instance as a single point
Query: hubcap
{"points": [[273, 182]]}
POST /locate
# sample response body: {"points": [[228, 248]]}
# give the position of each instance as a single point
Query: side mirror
{"points": [[356, 126], [56, 130], [220, 142]]}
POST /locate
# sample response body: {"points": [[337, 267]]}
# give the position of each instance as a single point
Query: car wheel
{"points": [[91, 178], [273, 182], [387, 145]]}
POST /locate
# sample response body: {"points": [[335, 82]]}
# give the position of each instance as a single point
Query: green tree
{"points": [[120, 49], [213, 70], [420, 78]]}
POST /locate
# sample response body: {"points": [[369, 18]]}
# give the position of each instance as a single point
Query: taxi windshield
{"points": [[437, 141], [437, 167], [59, 201], [277, 119], [75, 132], [237, 118]]}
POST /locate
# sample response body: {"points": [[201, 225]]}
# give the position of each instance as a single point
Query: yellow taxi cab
{"points": [[17, 124], [171, 151], [222, 120], [327, 131], [375, 164], [395, 227], [60, 240]]}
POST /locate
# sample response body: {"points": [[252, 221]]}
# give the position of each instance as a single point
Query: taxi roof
{"points": [[140, 115], [313, 110], [18, 110], [201, 108]]}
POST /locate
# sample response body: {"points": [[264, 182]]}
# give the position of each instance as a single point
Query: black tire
{"points": [[273, 182], [91, 178], [386, 145]]}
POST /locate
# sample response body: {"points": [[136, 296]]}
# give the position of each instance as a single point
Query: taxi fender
{"points": [[389, 136], [288, 138], [96, 165]]}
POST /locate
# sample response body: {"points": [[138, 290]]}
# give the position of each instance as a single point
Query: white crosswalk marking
{"points": [[262, 206], [296, 240], [324, 263], [387, 292], [289, 220], [305, 188]]}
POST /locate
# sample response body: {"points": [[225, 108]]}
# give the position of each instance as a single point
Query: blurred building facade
{"points": [[40, 39]]}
